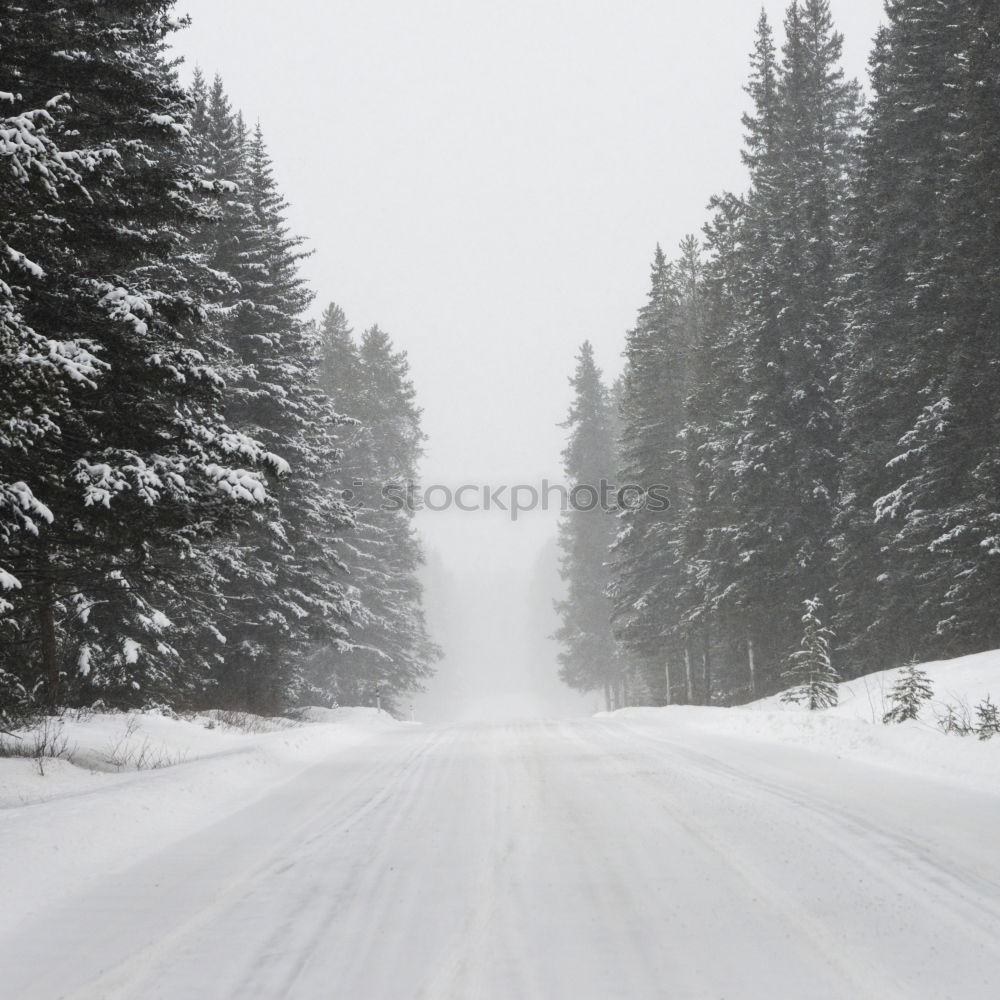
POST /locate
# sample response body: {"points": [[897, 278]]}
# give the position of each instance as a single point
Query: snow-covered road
{"points": [[589, 860]]}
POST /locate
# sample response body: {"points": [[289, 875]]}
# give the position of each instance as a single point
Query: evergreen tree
{"points": [[898, 300], [910, 692], [987, 723], [942, 508], [811, 671], [341, 363], [280, 572], [646, 572], [588, 657], [695, 626], [715, 593], [800, 152], [36, 372], [388, 651], [720, 593]]}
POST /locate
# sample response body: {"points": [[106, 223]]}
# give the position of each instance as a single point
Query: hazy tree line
{"points": [[176, 439], [817, 379]]}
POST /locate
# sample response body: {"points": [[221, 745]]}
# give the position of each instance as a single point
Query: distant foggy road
{"points": [[553, 861]]}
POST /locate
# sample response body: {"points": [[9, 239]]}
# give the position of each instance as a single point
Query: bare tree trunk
{"points": [[607, 696], [753, 668], [687, 675], [707, 659], [666, 671], [50, 648]]}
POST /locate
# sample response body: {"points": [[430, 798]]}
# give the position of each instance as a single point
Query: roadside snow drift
{"points": [[128, 784], [854, 728]]}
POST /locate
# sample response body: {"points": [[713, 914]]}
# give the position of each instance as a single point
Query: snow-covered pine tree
{"points": [[279, 566], [646, 572], [36, 371], [941, 512], [588, 657], [909, 694], [967, 532], [697, 627], [137, 461], [719, 592], [800, 149], [987, 723], [730, 346], [342, 372], [712, 592], [897, 348], [329, 676], [389, 650], [811, 670], [394, 645], [218, 151]]}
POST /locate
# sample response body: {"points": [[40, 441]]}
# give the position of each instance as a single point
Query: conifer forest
{"points": [[815, 377], [178, 439]]}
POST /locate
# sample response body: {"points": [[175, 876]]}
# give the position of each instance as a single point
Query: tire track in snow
{"points": [[915, 886], [571, 861]]}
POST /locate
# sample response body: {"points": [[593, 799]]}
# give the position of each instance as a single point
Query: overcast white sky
{"points": [[487, 181]]}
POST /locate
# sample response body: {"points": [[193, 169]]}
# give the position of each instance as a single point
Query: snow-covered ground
{"points": [[128, 785], [683, 853], [854, 729]]}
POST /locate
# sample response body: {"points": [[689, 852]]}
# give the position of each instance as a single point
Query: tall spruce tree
{"points": [[800, 149], [715, 593], [36, 371], [647, 574], [942, 507], [278, 568], [964, 535], [589, 658], [907, 480], [388, 652]]}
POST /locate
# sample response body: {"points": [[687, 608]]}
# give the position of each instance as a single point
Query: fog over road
{"points": [[581, 860]]}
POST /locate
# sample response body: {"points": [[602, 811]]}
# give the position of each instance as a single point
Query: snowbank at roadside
{"points": [[96, 751], [368, 718], [854, 729], [128, 785], [964, 681]]}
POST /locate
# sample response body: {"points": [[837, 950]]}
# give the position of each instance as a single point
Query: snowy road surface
{"points": [[549, 861]]}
